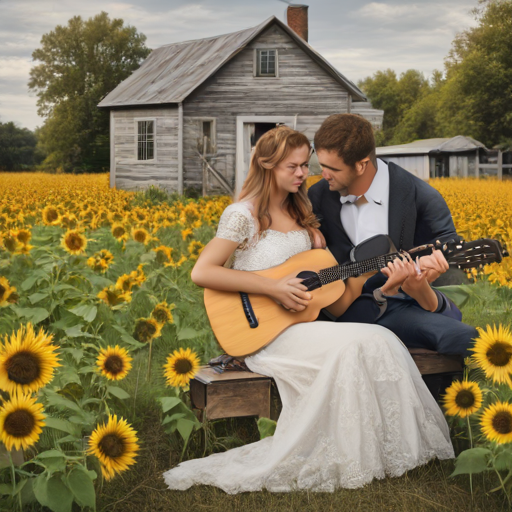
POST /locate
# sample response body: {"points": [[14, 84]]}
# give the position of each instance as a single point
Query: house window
{"points": [[145, 140], [266, 63], [206, 142]]}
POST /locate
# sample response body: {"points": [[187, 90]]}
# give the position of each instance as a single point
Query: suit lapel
{"points": [[399, 201]]}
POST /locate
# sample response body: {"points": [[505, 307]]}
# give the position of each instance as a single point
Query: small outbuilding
{"points": [[191, 114], [435, 158]]}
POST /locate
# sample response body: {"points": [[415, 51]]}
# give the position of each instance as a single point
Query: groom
{"points": [[362, 196]]}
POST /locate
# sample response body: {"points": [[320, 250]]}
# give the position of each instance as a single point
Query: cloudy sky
{"points": [[359, 38]]}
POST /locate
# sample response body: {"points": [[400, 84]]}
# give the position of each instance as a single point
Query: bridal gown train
{"points": [[355, 406]]}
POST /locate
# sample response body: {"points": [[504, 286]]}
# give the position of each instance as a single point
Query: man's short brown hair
{"points": [[350, 135]]}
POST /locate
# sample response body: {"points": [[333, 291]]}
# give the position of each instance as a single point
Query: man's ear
{"points": [[362, 165]]}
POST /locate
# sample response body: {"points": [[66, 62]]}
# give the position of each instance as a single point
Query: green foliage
{"points": [[17, 148], [266, 427], [80, 64]]}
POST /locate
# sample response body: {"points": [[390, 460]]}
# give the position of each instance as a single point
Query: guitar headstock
{"points": [[463, 254]]}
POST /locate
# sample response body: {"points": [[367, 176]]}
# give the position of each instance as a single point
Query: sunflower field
{"points": [[101, 326]]}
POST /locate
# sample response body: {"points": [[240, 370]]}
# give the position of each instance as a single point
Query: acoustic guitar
{"points": [[244, 323]]}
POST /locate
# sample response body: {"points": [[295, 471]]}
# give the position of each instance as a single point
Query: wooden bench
{"points": [[234, 394]]}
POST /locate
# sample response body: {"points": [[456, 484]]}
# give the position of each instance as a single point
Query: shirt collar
{"points": [[379, 189]]}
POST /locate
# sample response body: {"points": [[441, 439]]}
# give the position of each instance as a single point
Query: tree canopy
{"points": [[472, 97], [79, 64], [17, 148]]}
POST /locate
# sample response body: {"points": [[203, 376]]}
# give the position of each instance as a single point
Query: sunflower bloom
{"points": [[496, 422], [181, 366], [163, 254], [119, 232], [51, 216], [6, 292], [115, 445], [11, 243], [194, 249], [493, 353], [113, 296], [23, 236], [163, 313], [146, 330], [462, 398], [141, 235], [185, 233], [114, 362], [74, 242], [27, 360], [21, 422]]}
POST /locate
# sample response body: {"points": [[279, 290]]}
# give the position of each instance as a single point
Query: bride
{"points": [[355, 406]]}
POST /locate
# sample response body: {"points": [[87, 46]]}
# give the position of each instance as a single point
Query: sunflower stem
{"points": [[471, 445], [503, 486], [148, 376]]}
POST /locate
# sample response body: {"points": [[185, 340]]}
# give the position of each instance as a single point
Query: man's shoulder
{"points": [[406, 178], [318, 189]]}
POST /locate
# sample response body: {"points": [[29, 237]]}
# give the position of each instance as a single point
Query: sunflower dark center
{"points": [[144, 331], [23, 237], [19, 423], [161, 315], [182, 366], [140, 236], [10, 244], [23, 367], [2, 292], [51, 215], [502, 422], [499, 354], [112, 446], [74, 241], [119, 232], [465, 399], [114, 364]]}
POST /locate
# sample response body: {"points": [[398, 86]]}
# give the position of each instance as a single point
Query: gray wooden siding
{"points": [[132, 174], [303, 89]]}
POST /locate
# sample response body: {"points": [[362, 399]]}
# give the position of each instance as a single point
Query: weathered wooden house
{"points": [[435, 158], [190, 115]]}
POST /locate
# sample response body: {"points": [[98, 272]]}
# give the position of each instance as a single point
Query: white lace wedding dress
{"points": [[354, 404]]}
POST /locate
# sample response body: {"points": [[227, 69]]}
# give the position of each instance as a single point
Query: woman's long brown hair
{"points": [[271, 149]]}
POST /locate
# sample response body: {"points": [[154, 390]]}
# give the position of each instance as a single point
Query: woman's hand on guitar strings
{"points": [[290, 293], [397, 272]]}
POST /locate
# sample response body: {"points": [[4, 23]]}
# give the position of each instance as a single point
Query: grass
{"points": [[426, 488]]}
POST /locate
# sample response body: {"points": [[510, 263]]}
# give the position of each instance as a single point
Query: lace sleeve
{"points": [[235, 224]]}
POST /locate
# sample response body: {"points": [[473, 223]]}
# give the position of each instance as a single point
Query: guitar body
{"points": [[228, 320]]}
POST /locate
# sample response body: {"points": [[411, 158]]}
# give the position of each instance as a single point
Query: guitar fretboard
{"points": [[331, 274]]}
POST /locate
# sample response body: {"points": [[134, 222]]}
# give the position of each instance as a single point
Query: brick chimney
{"points": [[297, 19]]}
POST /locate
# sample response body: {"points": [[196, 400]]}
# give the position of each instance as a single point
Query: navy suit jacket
{"points": [[418, 214]]}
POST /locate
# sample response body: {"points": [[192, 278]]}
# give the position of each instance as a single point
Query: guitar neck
{"points": [[342, 272]]}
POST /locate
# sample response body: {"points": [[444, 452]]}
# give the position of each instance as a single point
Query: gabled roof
{"points": [[423, 147], [172, 72]]}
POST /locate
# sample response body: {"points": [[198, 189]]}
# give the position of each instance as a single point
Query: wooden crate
{"points": [[235, 394], [231, 394], [430, 362]]}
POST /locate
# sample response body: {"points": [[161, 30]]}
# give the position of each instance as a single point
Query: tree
{"points": [[80, 64], [17, 147], [394, 96], [477, 97]]}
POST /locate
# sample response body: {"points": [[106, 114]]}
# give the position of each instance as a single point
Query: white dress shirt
{"points": [[371, 218]]}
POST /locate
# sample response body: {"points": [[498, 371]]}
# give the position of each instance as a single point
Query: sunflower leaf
{"points": [[503, 461], [80, 483], [36, 297], [118, 392], [185, 428], [169, 402], [86, 311], [63, 425], [266, 427], [36, 276], [472, 461], [76, 332], [34, 315], [52, 493], [187, 333]]}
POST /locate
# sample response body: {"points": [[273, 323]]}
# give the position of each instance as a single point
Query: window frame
{"points": [[256, 64], [138, 120], [213, 138]]}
